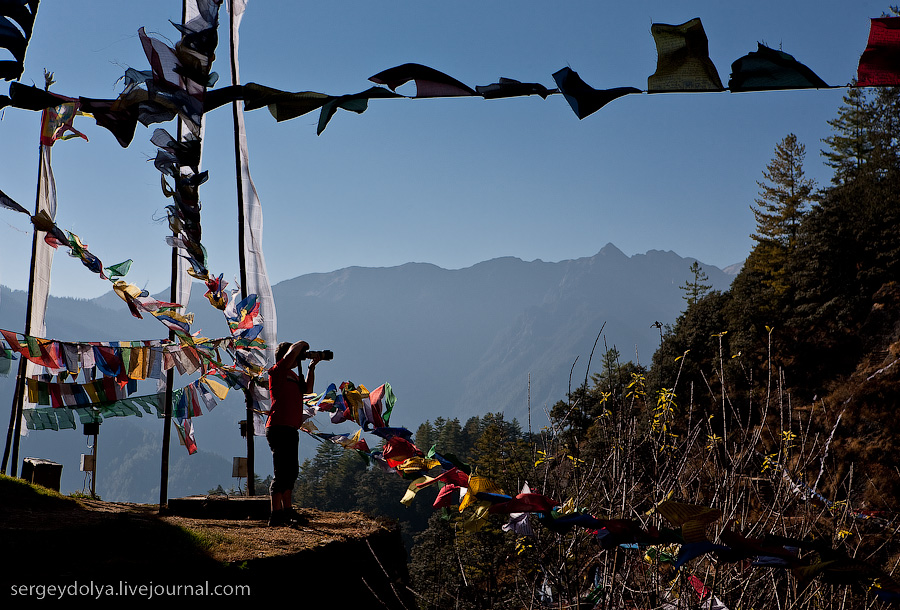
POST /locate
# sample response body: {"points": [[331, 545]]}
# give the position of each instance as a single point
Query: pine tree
{"points": [[425, 436], [784, 199], [696, 289], [851, 145], [885, 134]]}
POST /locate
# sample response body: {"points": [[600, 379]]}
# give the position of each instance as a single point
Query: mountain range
{"points": [[503, 335]]}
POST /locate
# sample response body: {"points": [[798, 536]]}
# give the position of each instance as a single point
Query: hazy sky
{"points": [[446, 181]]}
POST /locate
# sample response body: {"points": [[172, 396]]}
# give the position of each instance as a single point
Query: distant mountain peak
{"points": [[610, 250]]}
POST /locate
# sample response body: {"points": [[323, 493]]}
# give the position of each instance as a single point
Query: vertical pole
{"points": [[248, 398], [12, 419], [167, 419], [170, 374], [15, 420], [94, 472]]}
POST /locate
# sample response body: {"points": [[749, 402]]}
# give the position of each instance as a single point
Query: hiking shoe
{"points": [[293, 518], [278, 519]]}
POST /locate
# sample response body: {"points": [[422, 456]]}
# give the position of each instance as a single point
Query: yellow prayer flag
{"points": [[219, 389]]}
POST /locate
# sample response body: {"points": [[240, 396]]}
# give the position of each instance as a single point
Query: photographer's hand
{"points": [[311, 374]]}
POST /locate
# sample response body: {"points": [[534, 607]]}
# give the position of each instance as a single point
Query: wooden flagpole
{"points": [[248, 398], [170, 374]]}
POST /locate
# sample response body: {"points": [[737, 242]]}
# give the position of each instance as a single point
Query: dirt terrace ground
{"points": [[48, 538]]}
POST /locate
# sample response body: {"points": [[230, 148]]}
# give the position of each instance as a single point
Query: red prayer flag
{"points": [[879, 65], [13, 340], [525, 503], [453, 476], [398, 449], [444, 497]]}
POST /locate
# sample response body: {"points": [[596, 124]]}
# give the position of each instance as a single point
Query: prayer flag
{"points": [[584, 99], [56, 121], [767, 69], [691, 518], [357, 103], [879, 65], [186, 434], [444, 497], [508, 87], [429, 82], [256, 272], [525, 503], [683, 62], [9, 204], [16, 24]]}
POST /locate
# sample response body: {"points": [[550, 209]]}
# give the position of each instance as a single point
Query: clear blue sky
{"points": [[446, 181]]}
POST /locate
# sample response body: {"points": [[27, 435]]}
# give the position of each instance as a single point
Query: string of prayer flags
{"points": [[16, 25], [767, 70], [119, 118], [683, 62], [56, 237], [74, 394], [49, 419], [879, 65], [357, 103], [130, 360], [582, 98], [177, 81], [40, 352], [282, 105], [61, 418]]}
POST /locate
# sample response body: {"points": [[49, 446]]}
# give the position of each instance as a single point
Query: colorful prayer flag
{"points": [[879, 65]]}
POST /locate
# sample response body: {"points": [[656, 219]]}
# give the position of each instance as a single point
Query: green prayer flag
{"points": [[119, 270], [34, 348]]}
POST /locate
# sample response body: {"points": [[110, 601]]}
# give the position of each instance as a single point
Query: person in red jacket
{"points": [[286, 389]]}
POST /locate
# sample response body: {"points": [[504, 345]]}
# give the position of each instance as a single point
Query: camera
{"points": [[325, 354]]}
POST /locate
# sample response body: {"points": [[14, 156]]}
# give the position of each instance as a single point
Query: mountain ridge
{"points": [[501, 335]]}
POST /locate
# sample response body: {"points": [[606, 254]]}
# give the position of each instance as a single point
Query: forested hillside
{"points": [[750, 466]]}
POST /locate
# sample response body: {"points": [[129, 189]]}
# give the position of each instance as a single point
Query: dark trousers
{"points": [[284, 442]]}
